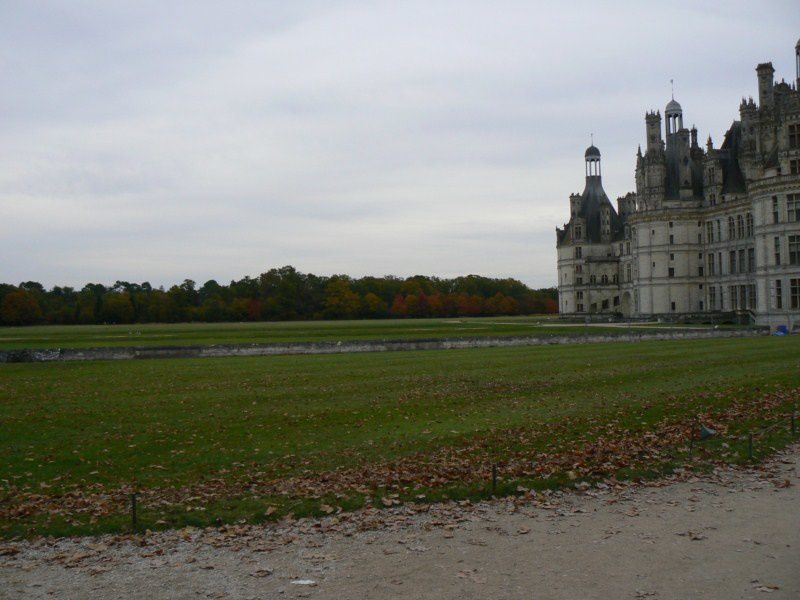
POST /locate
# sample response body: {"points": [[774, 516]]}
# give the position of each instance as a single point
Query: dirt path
{"points": [[735, 534]]}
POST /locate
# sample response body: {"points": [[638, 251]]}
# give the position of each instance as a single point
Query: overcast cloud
{"points": [[163, 140]]}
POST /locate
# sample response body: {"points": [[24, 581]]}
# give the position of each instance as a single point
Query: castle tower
{"points": [[797, 62], [766, 84], [653, 124]]}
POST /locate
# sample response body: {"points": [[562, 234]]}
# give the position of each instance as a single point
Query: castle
{"points": [[708, 232]]}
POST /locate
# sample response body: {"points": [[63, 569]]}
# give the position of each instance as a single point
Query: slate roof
{"points": [[593, 199]]}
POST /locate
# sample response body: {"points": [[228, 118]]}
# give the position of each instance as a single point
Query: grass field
{"points": [[83, 336], [218, 440]]}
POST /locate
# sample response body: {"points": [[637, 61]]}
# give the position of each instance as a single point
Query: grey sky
{"points": [[155, 140]]}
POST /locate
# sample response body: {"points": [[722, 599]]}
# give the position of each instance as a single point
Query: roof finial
{"points": [[591, 139], [672, 86]]}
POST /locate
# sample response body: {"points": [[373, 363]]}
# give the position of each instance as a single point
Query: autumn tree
{"points": [[341, 302], [20, 307]]}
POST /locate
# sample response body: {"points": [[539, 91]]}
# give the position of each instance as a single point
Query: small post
{"points": [[494, 478], [750, 446], [133, 510]]}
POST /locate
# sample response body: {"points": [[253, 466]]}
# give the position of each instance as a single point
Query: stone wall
{"points": [[222, 350]]}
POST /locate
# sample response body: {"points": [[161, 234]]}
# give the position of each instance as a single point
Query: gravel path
{"points": [[733, 534]]}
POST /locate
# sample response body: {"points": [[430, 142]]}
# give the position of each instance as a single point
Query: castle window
{"points": [[672, 271], [579, 280], [712, 298], [670, 224], [794, 249], [776, 215], [614, 278], [794, 136], [709, 232], [578, 232], [604, 279], [751, 260], [751, 296], [739, 226], [592, 279], [719, 229], [732, 297], [579, 268], [627, 247], [793, 207], [579, 308], [750, 226], [742, 265], [711, 264], [672, 306], [794, 288], [777, 251], [778, 293], [578, 252], [671, 239], [731, 228], [627, 272], [672, 257], [604, 305], [794, 167], [700, 273], [732, 262]]}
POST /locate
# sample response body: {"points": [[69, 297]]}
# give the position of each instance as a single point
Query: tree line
{"points": [[282, 294]]}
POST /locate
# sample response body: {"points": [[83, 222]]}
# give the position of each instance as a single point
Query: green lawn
{"points": [[84, 336], [226, 439]]}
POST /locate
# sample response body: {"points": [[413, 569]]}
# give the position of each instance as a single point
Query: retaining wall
{"points": [[221, 350]]}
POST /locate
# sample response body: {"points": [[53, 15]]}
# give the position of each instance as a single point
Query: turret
{"points": [[674, 116], [653, 124], [592, 156], [797, 62], [766, 84]]}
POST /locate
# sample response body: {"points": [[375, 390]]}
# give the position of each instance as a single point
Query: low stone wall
{"points": [[222, 350]]}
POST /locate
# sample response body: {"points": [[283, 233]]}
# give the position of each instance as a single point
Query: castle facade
{"points": [[709, 231]]}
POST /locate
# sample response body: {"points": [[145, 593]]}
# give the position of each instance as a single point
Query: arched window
{"points": [[604, 279], [592, 279]]}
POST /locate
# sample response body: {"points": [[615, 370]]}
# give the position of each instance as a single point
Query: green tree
{"points": [[117, 308]]}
